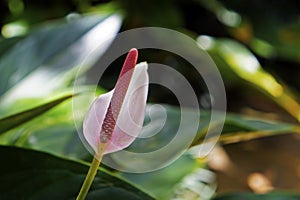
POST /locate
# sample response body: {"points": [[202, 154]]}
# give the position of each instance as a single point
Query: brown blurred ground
{"points": [[259, 165]]}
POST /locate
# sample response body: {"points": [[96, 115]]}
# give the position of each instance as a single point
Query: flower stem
{"points": [[92, 172]]}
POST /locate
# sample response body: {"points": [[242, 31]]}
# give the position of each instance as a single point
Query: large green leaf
{"points": [[6, 44], [167, 178], [186, 179], [53, 131], [27, 174], [55, 47], [235, 125], [12, 121], [271, 196]]}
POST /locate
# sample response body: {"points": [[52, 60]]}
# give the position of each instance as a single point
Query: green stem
{"points": [[91, 173]]}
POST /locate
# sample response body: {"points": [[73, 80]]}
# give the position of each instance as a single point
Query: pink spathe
{"points": [[116, 118]]}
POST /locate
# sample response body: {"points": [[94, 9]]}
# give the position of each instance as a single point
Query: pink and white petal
{"points": [[93, 120], [131, 116]]}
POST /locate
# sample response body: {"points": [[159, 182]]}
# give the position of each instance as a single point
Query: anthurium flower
{"points": [[115, 119]]}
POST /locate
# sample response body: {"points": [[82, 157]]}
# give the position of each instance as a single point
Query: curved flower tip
{"points": [[115, 119]]}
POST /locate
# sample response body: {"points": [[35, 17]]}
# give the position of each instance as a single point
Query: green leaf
{"points": [[17, 119], [55, 131], [235, 125], [271, 196], [28, 174], [233, 58], [6, 44], [167, 178], [245, 123], [54, 48]]}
